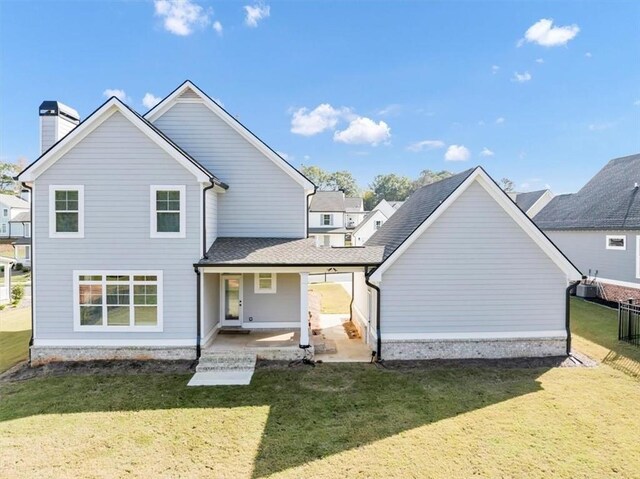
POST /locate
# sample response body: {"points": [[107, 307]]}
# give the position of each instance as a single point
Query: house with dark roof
{"points": [[14, 217], [532, 202], [599, 228], [333, 217], [373, 221], [218, 251]]}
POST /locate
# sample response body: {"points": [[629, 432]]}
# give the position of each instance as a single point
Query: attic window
{"points": [[617, 242]]}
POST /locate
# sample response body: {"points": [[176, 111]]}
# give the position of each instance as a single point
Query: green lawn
{"points": [[335, 420], [334, 299], [20, 277], [15, 332]]}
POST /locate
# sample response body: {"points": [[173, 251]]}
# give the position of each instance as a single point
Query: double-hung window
{"points": [[327, 220], [168, 216], [118, 301], [377, 224], [66, 211], [265, 283]]}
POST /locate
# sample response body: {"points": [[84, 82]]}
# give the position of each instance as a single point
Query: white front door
{"points": [[231, 300]]}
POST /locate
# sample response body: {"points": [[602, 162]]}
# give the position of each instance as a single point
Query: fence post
{"points": [[630, 326], [619, 320]]}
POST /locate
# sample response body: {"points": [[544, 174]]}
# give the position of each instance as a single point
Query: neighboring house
{"points": [[599, 227], [533, 201], [153, 233], [5, 279], [22, 251], [333, 217], [372, 222], [14, 217]]}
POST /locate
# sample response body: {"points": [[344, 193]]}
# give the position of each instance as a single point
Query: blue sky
{"points": [[401, 86]]}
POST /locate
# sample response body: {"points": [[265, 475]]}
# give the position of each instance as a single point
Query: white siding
{"points": [[587, 250], [281, 307], [262, 200], [210, 303], [116, 163], [337, 240], [474, 270], [315, 220], [211, 222], [367, 229], [364, 308], [48, 132]]}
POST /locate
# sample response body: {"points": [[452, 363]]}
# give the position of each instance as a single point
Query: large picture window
{"points": [[168, 218], [118, 301], [66, 211]]}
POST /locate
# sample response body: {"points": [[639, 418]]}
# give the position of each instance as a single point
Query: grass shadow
{"points": [[313, 413], [14, 347]]}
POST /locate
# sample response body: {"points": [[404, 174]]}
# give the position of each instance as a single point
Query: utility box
{"points": [[587, 291]]}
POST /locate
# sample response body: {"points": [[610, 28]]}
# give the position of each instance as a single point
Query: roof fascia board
{"points": [[98, 118], [162, 107], [509, 207]]}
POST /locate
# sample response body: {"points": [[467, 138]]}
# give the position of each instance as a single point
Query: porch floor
{"points": [[273, 344]]}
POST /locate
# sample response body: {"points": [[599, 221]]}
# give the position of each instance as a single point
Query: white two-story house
{"points": [[14, 216], [151, 234], [333, 217]]}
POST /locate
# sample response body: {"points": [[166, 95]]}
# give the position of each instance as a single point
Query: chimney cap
{"points": [[56, 108]]}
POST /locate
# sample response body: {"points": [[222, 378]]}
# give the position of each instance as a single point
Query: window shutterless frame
{"points": [[616, 242], [169, 203], [265, 283], [66, 207], [99, 279]]}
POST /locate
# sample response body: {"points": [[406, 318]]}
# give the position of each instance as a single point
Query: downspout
{"points": [[198, 313], [378, 301], [570, 289], [24, 185], [205, 252], [315, 190]]}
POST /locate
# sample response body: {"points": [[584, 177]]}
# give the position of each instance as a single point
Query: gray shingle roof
{"points": [[287, 252], [415, 210], [327, 201], [22, 217], [328, 231], [527, 200], [608, 202], [353, 204], [13, 201]]}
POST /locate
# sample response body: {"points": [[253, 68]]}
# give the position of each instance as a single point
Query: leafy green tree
{"points": [[507, 185], [317, 175], [7, 171], [344, 181], [427, 177], [369, 200], [391, 187]]}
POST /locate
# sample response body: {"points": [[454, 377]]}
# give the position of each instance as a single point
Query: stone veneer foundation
{"points": [[47, 354], [473, 349]]}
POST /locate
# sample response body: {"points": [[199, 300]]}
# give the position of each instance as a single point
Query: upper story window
{"points": [[168, 215], [5, 212], [27, 230], [377, 224], [265, 283], [66, 211], [108, 301], [618, 242], [327, 220]]}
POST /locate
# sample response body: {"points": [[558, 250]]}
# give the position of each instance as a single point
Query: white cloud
{"points": [[255, 13], [544, 33], [285, 156], [180, 17], [457, 153], [521, 77], [119, 94], [636, 103], [392, 109], [539, 60], [363, 130], [495, 69], [600, 126], [499, 120], [217, 26], [426, 145], [486, 152], [588, 55], [321, 118], [150, 100]]}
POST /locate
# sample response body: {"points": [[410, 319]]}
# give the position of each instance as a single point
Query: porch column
{"points": [[304, 309]]}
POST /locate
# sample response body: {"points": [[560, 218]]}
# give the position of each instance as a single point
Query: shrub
{"points": [[19, 266], [17, 293]]}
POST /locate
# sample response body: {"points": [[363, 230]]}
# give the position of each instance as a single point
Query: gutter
{"points": [[570, 289], [205, 249], [198, 315], [308, 206], [378, 301], [24, 185]]}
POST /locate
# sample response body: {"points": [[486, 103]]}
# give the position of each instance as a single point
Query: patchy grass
{"points": [[596, 328], [334, 299], [15, 332], [20, 277], [335, 420]]}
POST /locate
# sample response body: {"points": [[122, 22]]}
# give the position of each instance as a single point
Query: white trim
{"points": [[238, 268], [560, 334], [170, 100], [616, 237], [96, 119], [256, 283], [210, 335], [77, 327], [304, 309], [34, 303], [52, 211], [153, 218], [231, 322], [638, 256], [509, 207], [114, 342], [615, 282], [531, 212], [269, 325]]}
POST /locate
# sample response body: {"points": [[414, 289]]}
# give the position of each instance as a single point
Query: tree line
{"points": [[390, 187]]}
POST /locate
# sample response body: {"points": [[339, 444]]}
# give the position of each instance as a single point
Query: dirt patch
{"points": [[351, 330], [91, 368]]}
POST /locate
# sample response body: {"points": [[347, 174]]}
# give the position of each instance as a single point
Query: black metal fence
{"points": [[629, 322]]}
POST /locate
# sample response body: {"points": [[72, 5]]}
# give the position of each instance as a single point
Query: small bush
{"points": [[2, 306], [17, 293], [19, 266]]}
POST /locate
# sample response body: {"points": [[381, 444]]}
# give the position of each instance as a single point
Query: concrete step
{"points": [[221, 378], [226, 361]]}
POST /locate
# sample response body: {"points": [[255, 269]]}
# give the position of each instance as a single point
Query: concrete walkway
{"points": [[347, 350]]}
